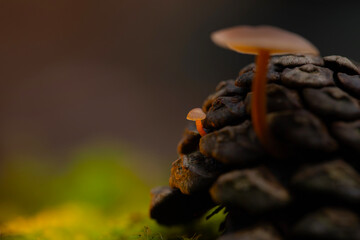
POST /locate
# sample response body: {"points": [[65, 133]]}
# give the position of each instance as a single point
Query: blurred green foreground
{"points": [[95, 196]]}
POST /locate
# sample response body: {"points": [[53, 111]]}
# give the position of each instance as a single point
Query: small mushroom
{"points": [[197, 115], [262, 41]]}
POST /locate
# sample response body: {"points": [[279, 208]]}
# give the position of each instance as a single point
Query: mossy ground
{"points": [[96, 196]]}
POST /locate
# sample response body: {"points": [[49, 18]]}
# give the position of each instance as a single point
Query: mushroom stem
{"points": [[258, 104], [200, 128]]}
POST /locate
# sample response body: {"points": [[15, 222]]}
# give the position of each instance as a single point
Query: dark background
{"points": [[128, 71]]}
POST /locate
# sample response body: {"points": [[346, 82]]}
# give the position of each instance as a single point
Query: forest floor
{"points": [[93, 197]]}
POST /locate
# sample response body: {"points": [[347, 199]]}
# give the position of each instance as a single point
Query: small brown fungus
{"points": [[197, 114], [262, 41]]}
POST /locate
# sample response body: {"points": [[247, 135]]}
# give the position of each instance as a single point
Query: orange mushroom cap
{"points": [[196, 114], [252, 40]]}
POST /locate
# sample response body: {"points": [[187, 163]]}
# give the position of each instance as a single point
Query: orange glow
{"points": [[258, 104], [200, 128]]}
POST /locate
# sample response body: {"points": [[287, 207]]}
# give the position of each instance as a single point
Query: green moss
{"points": [[96, 196]]}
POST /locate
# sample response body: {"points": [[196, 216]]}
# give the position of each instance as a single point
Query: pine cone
{"points": [[310, 187]]}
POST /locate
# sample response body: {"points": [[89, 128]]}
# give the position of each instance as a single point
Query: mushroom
{"points": [[262, 41], [197, 115]]}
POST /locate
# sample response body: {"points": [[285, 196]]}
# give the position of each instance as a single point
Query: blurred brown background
{"points": [[73, 72]]}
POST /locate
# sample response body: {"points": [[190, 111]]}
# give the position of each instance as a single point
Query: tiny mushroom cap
{"points": [[252, 40], [196, 114]]}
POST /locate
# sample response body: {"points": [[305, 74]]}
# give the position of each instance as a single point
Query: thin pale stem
{"points": [[258, 100], [200, 128]]}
